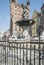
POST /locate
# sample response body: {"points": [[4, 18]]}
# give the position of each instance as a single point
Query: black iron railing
{"points": [[21, 53]]}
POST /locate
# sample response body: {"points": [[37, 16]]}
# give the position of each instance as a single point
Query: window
{"points": [[42, 12], [12, 0]]}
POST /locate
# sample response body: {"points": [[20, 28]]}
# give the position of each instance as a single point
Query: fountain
{"points": [[23, 32]]}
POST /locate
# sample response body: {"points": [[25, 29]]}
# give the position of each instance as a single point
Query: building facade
{"points": [[42, 16], [17, 12], [36, 17]]}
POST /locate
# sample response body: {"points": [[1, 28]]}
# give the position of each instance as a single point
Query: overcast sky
{"points": [[5, 11]]}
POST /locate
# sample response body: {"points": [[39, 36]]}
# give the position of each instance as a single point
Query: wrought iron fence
{"points": [[21, 53]]}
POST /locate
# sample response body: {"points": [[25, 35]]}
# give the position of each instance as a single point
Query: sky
{"points": [[5, 11]]}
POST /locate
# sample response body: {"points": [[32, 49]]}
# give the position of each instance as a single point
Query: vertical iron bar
{"points": [[23, 54], [14, 53], [30, 53], [26, 54], [9, 55], [1, 54], [5, 52], [17, 53], [39, 48], [20, 54], [34, 54]]}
